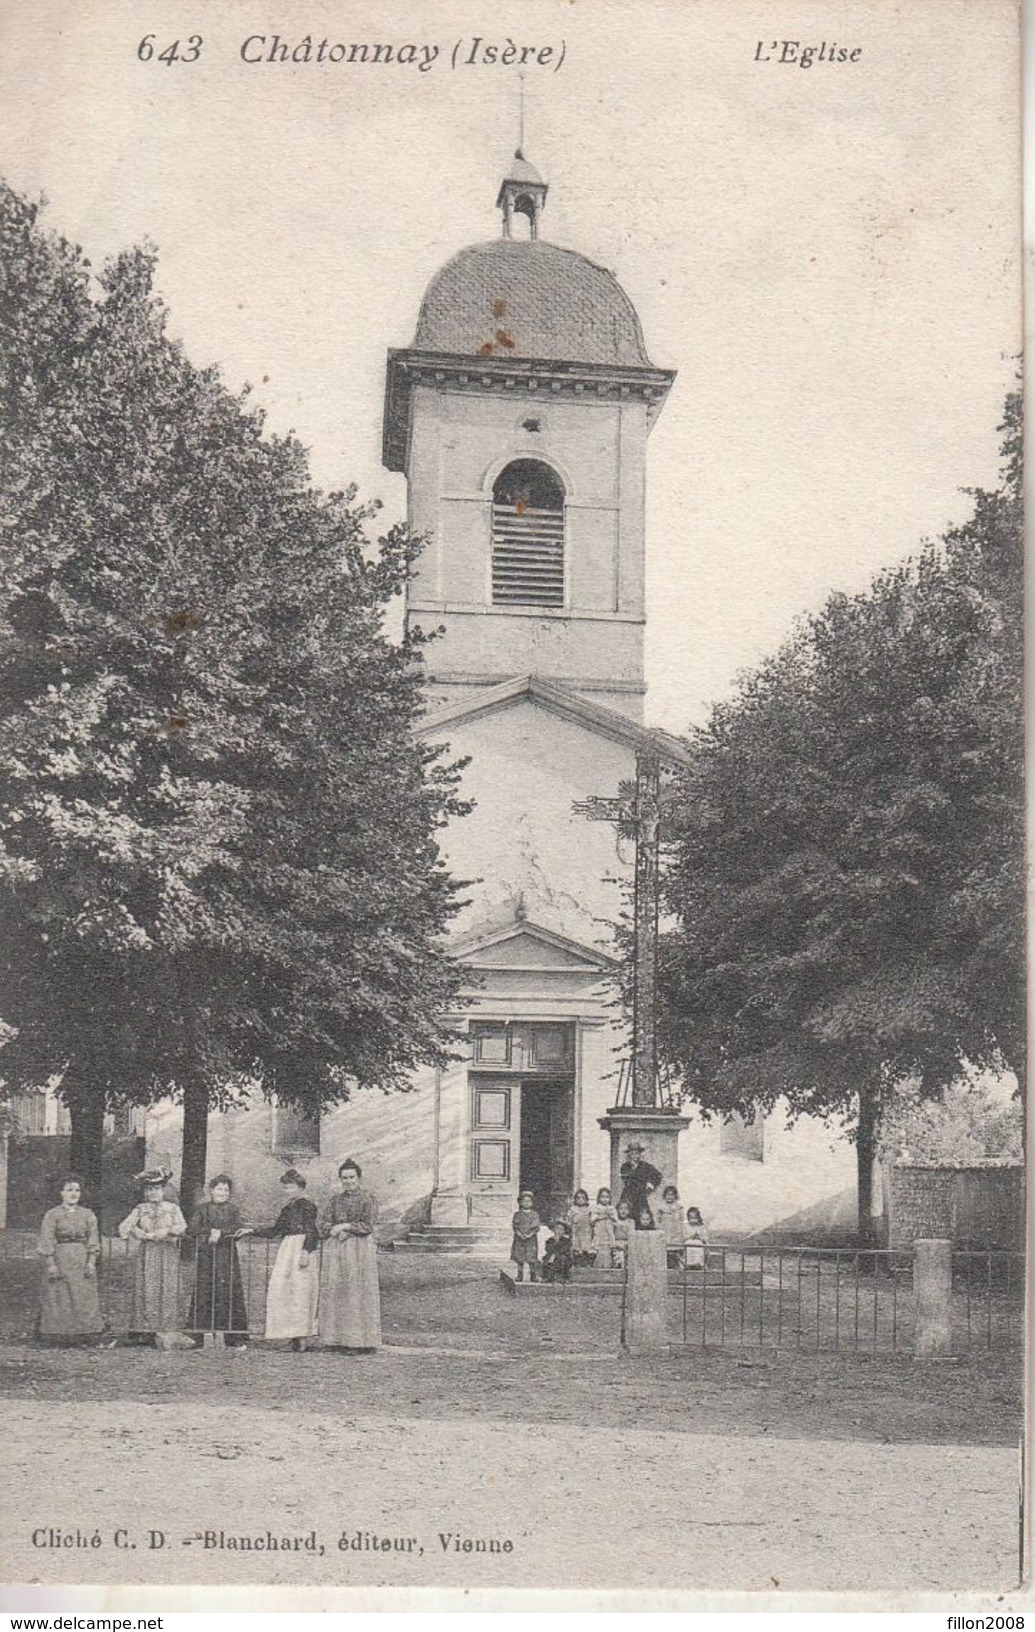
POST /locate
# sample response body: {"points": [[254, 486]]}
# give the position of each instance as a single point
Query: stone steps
{"points": [[467, 1239], [608, 1283], [593, 1286]]}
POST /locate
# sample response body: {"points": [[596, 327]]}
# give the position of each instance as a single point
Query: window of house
{"points": [[742, 1137], [29, 1113], [295, 1133], [127, 1122], [528, 535]]}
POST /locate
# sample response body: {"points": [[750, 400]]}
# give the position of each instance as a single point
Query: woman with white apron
{"points": [[350, 1298], [294, 1286]]}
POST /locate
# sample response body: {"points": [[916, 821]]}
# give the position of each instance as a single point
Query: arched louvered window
{"points": [[528, 536]]}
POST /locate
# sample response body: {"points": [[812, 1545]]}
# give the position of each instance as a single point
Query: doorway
{"points": [[547, 1153]]}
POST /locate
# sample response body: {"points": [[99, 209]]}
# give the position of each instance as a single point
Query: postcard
{"points": [[513, 803]]}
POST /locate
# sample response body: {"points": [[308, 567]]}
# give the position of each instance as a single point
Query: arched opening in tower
{"points": [[528, 535], [525, 207]]}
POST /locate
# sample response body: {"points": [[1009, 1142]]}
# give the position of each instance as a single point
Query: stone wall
{"points": [[980, 1206]]}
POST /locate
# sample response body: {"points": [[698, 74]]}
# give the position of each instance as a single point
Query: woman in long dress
{"points": [[217, 1302], [157, 1225], [350, 1298], [69, 1244], [294, 1288]]}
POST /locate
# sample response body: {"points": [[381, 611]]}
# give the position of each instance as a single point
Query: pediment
{"points": [[526, 946], [557, 699]]}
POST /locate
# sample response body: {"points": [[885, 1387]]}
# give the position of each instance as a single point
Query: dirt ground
{"points": [[499, 1420], [789, 1396]]}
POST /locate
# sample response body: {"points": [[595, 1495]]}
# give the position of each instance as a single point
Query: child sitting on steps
{"points": [[557, 1258]]}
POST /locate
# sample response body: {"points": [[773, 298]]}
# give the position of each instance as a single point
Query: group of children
{"points": [[598, 1234]]}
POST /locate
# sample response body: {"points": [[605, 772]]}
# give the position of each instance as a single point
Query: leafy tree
{"points": [[845, 876], [966, 1123], [219, 859]]}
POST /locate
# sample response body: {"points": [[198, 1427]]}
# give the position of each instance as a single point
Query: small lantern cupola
{"points": [[522, 192]]}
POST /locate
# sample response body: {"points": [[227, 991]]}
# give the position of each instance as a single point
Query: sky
{"points": [[829, 257]]}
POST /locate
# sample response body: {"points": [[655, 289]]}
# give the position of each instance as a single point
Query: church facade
{"points": [[520, 416]]}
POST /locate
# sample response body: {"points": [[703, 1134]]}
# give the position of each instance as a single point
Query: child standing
{"points": [[557, 1259], [524, 1249], [624, 1226], [672, 1225], [580, 1224], [603, 1218], [695, 1237]]}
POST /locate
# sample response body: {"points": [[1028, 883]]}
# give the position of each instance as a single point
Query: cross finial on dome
{"points": [[522, 192]]}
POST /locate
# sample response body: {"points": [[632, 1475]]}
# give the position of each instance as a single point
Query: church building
{"points": [[520, 416]]}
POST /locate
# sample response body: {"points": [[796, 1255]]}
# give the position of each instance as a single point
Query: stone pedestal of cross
{"points": [[641, 1118], [644, 1326]]}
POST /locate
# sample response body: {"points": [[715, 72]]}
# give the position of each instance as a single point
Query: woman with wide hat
{"points": [[156, 1225]]}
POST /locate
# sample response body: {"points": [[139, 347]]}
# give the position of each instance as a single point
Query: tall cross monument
{"points": [[642, 1115]]}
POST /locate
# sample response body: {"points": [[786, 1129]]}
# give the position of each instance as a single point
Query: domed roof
{"points": [[524, 298]]}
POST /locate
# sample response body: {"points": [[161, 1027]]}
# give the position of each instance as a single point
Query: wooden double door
{"points": [[522, 1138], [546, 1147]]}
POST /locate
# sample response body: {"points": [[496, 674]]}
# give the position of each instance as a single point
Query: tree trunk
{"points": [[86, 1110], [865, 1159], [195, 1146]]}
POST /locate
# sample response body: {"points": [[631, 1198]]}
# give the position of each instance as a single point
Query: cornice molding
{"points": [[517, 377], [557, 699]]}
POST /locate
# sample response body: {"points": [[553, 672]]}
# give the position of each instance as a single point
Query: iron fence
{"points": [[839, 1299], [987, 1300], [184, 1286], [806, 1298]]}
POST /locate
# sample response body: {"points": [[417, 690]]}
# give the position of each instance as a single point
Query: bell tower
{"points": [[520, 416], [522, 192]]}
